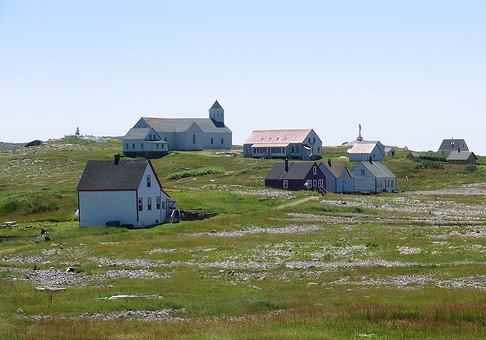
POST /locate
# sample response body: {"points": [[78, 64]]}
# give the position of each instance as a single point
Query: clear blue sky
{"points": [[410, 72]]}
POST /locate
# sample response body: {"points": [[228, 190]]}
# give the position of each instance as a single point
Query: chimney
{"points": [[286, 165], [371, 160], [117, 159], [329, 161]]}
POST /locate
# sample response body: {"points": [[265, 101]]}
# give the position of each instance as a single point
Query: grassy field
{"points": [[271, 265]]}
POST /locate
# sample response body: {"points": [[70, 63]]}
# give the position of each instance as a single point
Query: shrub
{"points": [[210, 170]]}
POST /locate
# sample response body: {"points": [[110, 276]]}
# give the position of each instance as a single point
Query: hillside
{"points": [[272, 264], [40, 182]]}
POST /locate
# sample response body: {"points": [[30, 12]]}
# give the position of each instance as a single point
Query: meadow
{"points": [[271, 265]]}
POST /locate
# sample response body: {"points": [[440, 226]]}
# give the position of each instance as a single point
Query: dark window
{"points": [[222, 141], [149, 181], [157, 202], [211, 140], [193, 139], [149, 203], [140, 204]]}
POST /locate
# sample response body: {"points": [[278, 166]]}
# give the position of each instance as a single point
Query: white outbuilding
{"points": [[122, 193]]}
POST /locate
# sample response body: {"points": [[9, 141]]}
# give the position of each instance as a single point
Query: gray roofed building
{"points": [[373, 177], [107, 175], [122, 193], [178, 134]]}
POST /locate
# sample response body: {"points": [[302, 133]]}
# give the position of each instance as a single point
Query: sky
{"points": [[412, 72]]}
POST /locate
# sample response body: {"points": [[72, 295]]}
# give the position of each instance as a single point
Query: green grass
{"points": [[367, 269]]}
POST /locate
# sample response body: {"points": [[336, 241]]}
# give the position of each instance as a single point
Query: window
{"points": [[126, 146], [149, 181], [140, 204], [163, 205], [212, 140], [149, 203], [320, 183], [157, 202], [309, 184], [193, 139], [362, 172], [314, 169], [222, 140], [141, 146], [285, 184], [133, 146]]}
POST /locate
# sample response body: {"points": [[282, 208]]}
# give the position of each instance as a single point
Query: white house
{"points": [[366, 150], [155, 137], [338, 177], [302, 144], [373, 177], [122, 192]]}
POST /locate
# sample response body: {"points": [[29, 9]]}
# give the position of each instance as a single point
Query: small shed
{"points": [[413, 156], [389, 151], [464, 157], [296, 175]]}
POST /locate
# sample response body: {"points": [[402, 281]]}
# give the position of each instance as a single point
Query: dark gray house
{"points": [[452, 144], [296, 175]]}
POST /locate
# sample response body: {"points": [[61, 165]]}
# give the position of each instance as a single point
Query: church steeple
{"points": [[216, 113]]}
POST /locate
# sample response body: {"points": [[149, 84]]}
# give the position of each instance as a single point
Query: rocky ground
{"points": [[308, 260]]}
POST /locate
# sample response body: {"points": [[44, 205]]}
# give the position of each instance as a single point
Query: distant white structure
{"points": [[359, 138]]}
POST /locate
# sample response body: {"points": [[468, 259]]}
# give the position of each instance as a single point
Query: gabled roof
{"points": [[461, 156], [278, 137], [183, 124], [336, 168], [106, 175], [365, 147], [378, 169], [137, 133], [414, 154], [453, 144], [297, 170]]}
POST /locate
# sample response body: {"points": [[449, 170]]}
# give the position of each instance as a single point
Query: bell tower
{"points": [[216, 113]]}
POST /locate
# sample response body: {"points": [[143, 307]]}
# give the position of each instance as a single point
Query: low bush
{"points": [[210, 170]]}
